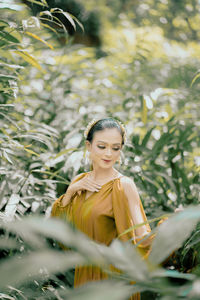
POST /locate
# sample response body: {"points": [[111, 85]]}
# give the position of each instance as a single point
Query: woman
{"points": [[103, 203]]}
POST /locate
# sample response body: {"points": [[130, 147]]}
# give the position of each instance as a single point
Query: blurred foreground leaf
{"points": [[173, 232]]}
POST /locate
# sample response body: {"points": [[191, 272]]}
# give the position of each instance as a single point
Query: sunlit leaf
{"points": [[8, 76], [30, 59], [11, 66], [31, 151], [66, 14], [7, 157], [52, 174], [41, 3], [64, 152], [144, 111], [39, 39], [144, 223], [49, 27], [195, 79], [4, 296], [11, 206]]}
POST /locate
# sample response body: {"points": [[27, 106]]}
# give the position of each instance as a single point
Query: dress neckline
{"points": [[121, 175], [112, 180]]}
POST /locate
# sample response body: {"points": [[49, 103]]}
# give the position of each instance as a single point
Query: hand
{"points": [[179, 208], [86, 183]]}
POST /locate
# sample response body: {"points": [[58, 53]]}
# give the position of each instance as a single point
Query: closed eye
{"points": [[103, 147]]}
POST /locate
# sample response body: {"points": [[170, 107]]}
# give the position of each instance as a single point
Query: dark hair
{"points": [[104, 124]]}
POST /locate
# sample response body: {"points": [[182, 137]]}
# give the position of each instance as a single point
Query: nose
{"points": [[108, 152]]}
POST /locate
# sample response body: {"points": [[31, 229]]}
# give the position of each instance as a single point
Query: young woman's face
{"points": [[105, 147]]}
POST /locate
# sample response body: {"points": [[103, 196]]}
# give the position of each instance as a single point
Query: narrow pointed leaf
{"points": [[172, 233], [39, 39]]}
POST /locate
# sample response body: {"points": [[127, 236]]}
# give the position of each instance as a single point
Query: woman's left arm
{"points": [[136, 209]]}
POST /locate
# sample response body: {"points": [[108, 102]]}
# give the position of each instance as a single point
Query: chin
{"points": [[106, 166]]}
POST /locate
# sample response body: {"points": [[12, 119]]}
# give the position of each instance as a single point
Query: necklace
{"points": [[106, 179]]}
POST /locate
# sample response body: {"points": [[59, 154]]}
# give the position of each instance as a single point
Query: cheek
{"points": [[96, 151], [116, 154]]}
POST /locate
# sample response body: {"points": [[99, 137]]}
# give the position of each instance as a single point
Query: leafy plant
{"points": [[48, 96], [38, 264]]}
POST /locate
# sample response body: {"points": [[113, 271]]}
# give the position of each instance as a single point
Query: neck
{"points": [[99, 173]]}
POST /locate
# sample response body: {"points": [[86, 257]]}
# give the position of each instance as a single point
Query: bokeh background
{"points": [[65, 62]]}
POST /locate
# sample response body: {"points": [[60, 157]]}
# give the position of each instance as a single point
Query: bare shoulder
{"points": [[129, 188], [127, 182]]}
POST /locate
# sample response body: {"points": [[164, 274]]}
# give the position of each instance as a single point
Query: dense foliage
{"points": [[48, 95]]}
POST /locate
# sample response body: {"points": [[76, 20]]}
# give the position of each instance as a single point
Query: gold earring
{"points": [[87, 157]]}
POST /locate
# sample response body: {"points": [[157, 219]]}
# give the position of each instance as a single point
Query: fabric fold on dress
{"points": [[103, 216]]}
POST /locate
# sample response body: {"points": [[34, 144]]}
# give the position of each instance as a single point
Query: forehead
{"points": [[108, 135]]}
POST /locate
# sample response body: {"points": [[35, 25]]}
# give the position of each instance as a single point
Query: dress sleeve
{"points": [[60, 211], [124, 219], [64, 212]]}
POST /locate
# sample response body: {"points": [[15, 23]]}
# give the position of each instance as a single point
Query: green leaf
{"points": [[146, 137], [144, 223], [3, 24], [163, 140], [9, 37], [11, 206], [41, 3], [173, 232], [39, 39], [77, 21], [53, 174], [30, 59], [172, 274], [109, 289], [8, 76], [31, 151], [168, 179], [66, 14], [65, 152], [144, 110], [7, 157], [194, 79], [4, 296], [125, 257], [29, 266], [6, 243], [11, 66]]}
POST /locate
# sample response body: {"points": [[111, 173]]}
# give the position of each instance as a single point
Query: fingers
{"points": [[91, 185], [86, 184]]}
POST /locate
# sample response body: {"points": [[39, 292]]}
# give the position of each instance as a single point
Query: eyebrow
{"points": [[107, 143]]}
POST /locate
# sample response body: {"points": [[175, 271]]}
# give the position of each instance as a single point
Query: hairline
{"points": [[107, 143], [116, 126]]}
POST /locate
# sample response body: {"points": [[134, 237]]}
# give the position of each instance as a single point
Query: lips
{"points": [[106, 160]]}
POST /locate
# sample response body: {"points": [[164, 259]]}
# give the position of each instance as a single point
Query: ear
{"points": [[88, 146]]}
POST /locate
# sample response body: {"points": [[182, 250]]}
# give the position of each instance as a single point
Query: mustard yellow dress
{"points": [[103, 216]]}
